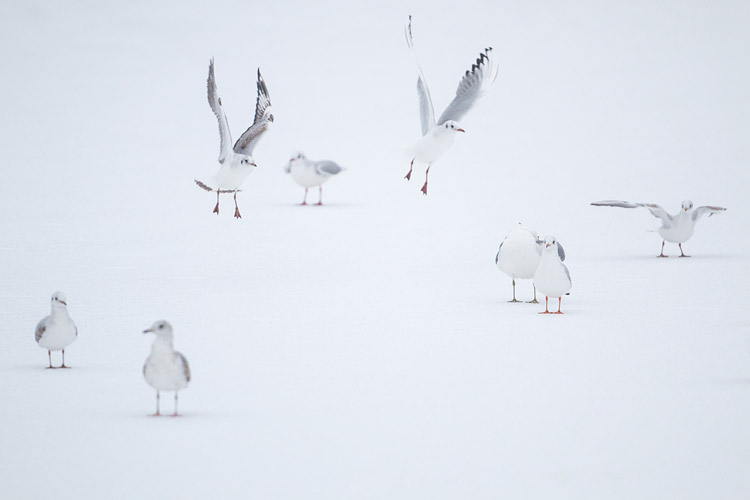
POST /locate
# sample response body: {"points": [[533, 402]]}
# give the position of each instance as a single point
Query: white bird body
{"points": [[552, 277], [677, 228], [309, 173], [236, 161], [433, 144], [519, 254], [56, 331], [164, 369], [438, 135]]}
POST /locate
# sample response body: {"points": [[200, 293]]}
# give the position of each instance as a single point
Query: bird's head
{"points": [[687, 205], [58, 299], [550, 244], [297, 156], [247, 161], [161, 329], [452, 126]]}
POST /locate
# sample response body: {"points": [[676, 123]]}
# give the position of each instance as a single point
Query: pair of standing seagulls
{"points": [[523, 255], [437, 135], [164, 370]]}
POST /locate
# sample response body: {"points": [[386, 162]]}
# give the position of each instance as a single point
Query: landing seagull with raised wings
{"points": [[236, 162], [677, 228], [438, 136]]}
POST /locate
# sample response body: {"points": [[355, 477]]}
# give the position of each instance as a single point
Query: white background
{"points": [[365, 349]]}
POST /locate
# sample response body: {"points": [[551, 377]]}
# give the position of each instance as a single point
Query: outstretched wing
{"points": [[655, 210], [426, 112], [215, 102], [708, 209], [263, 119], [327, 167], [475, 81]]}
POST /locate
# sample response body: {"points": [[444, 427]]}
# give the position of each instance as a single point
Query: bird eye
{"points": [[161, 326]]}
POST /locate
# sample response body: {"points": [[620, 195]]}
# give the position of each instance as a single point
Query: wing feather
{"points": [[707, 209], [215, 102], [426, 111], [328, 167], [263, 119], [472, 86]]}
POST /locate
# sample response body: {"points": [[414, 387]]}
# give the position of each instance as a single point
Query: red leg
{"points": [[216, 208], [411, 167], [559, 305], [546, 306], [157, 414], [320, 195], [426, 176], [662, 250], [304, 200], [236, 208], [682, 254], [49, 354], [63, 360]]}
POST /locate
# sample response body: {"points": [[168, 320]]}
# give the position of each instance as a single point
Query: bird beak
{"points": [[253, 164], [63, 302], [150, 330], [548, 245], [460, 130]]}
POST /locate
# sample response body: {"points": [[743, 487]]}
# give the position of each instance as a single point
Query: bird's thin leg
{"points": [[157, 406], [533, 301], [216, 208], [320, 195], [49, 354], [682, 254], [662, 250], [63, 357], [426, 176], [411, 167], [514, 292], [559, 305], [546, 306], [236, 208], [175, 414], [304, 200]]}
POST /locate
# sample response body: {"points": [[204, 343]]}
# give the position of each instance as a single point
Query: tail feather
{"points": [[212, 190], [203, 186]]}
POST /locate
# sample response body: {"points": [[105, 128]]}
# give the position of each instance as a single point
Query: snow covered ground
{"points": [[365, 349]]}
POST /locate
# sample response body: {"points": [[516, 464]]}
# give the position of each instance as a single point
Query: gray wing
{"points": [[561, 252], [659, 212], [426, 112], [708, 209], [655, 210], [475, 81], [215, 102], [185, 366], [497, 257], [567, 273], [263, 119], [41, 327], [327, 167]]}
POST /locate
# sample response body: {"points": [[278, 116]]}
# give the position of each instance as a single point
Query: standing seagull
{"points": [[519, 255], [165, 369], [438, 136], [236, 162], [56, 331], [677, 228], [309, 173], [552, 278]]}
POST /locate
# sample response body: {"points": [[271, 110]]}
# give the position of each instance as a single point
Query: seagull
{"points": [[56, 331], [438, 136], [552, 278], [519, 255], [236, 162], [677, 228], [309, 173], [165, 369]]}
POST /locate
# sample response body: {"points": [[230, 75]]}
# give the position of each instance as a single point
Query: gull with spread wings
{"points": [[677, 228], [438, 136], [236, 162]]}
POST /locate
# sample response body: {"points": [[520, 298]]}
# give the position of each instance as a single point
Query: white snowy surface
{"points": [[365, 349]]}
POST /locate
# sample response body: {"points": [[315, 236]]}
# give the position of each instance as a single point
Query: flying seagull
{"points": [[165, 369], [677, 228], [56, 331], [438, 136], [236, 162], [519, 255], [309, 173], [552, 277]]}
